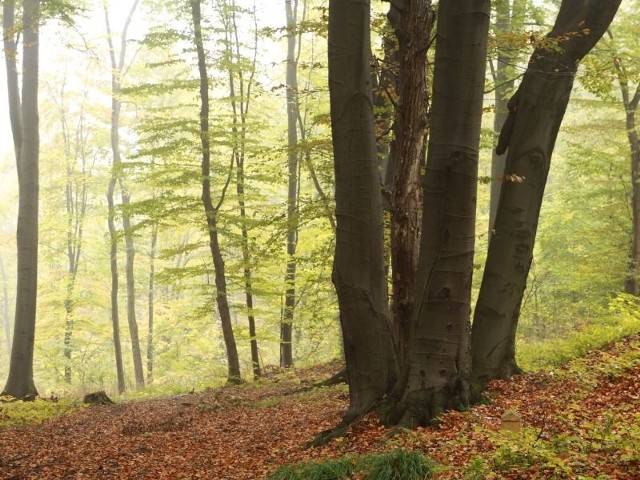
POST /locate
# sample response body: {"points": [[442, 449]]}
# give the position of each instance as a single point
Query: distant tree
{"points": [[293, 54], [241, 73], [5, 301], [536, 111], [117, 71], [24, 117], [211, 210]]}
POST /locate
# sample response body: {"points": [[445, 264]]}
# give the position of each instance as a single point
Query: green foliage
{"points": [[396, 465], [623, 320], [13, 413]]}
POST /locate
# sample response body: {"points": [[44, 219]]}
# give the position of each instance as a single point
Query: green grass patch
{"points": [[396, 465], [551, 354], [16, 413]]}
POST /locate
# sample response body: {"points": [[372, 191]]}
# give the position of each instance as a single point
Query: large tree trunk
{"points": [[358, 270], [211, 212], [535, 114], [436, 375], [25, 125], [412, 21]]}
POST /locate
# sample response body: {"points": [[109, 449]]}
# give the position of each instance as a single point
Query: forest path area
{"points": [[580, 421]]}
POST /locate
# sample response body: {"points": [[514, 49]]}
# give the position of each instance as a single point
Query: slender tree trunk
{"points": [[76, 207], [20, 383], [503, 87], [151, 301], [211, 212], [412, 21], [630, 103], [240, 107], [117, 70], [358, 270], [436, 375], [286, 328], [535, 114], [113, 255]]}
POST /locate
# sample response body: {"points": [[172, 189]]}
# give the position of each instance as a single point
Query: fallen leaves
{"points": [[574, 420]]}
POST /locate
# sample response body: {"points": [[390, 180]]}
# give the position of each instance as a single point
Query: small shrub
{"points": [[396, 465], [13, 413]]}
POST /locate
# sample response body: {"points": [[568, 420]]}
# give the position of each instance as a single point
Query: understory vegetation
{"points": [[580, 420]]}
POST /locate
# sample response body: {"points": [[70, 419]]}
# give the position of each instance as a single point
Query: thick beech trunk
{"points": [[535, 114], [436, 375], [211, 212], [358, 270], [412, 21], [25, 127]]}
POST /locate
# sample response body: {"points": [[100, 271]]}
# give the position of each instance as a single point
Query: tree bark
{"points": [[20, 383], [211, 212], [286, 329], [358, 269], [151, 293], [117, 70], [240, 101], [6, 324], [507, 15], [535, 114], [412, 21], [630, 103], [436, 375]]}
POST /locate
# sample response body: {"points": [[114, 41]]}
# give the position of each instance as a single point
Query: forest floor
{"points": [[581, 421]]}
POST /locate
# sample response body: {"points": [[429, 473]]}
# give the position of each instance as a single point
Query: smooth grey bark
{"points": [[286, 327], [436, 374], [535, 114], [211, 211], [117, 71], [358, 269], [412, 21], [6, 323], [24, 117]]}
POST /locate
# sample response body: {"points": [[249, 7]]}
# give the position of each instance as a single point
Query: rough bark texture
{"points": [[210, 210], [412, 21], [20, 383], [535, 114], [358, 270], [436, 374]]}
